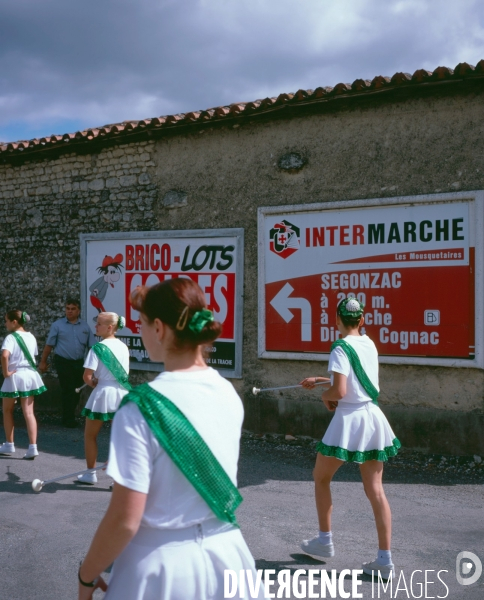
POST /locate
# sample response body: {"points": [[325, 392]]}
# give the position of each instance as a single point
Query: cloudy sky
{"points": [[70, 64]]}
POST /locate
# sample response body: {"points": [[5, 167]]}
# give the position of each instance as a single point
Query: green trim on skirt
{"points": [[357, 456], [97, 416], [18, 394]]}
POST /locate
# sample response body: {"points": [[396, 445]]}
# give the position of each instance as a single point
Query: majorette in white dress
{"points": [[26, 381], [108, 393], [359, 431], [181, 549]]}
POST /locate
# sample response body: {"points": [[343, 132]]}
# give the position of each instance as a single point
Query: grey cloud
{"points": [[96, 62]]}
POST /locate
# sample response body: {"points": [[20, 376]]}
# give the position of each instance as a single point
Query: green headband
{"points": [[200, 319], [351, 307]]}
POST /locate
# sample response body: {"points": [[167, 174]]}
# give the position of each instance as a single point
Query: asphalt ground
{"points": [[437, 512]]}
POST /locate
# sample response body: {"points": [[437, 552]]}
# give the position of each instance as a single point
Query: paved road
{"points": [[437, 513]]}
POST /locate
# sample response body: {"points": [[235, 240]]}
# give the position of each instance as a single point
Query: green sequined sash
{"points": [[186, 448], [25, 350], [360, 373], [112, 364]]}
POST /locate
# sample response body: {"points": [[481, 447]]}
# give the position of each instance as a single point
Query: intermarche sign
{"points": [[411, 265]]}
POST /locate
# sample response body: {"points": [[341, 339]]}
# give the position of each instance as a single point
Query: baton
{"points": [[38, 484], [256, 391]]}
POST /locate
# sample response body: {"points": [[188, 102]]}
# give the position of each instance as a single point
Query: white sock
{"points": [[10, 445], [384, 557], [32, 446], [325, 537]]}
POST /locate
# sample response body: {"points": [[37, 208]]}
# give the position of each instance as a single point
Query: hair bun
{"points": [[25, 317], [353, 305], [121, 322]]}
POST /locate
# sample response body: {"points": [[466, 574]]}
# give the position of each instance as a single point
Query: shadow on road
{"points": [[55, 439], [270, 458], [14, 485]]}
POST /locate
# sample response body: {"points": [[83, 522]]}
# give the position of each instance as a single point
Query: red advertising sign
{"points": [[412, 265], [114, 265]]}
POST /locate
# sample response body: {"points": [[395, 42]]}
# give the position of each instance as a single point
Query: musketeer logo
{"points": [[284, 239]]}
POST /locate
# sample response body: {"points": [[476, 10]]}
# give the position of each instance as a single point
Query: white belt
{"points": [[150, 536], [108, 383]]}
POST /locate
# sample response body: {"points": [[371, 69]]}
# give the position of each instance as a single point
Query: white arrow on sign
{"points": [[282, 303]]}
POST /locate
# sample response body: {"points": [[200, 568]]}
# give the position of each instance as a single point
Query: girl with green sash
{"points": [[171, 528], [106, 370], [359, 432], [21, 380]]}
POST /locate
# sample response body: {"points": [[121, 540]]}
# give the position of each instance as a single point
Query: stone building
{"points": [[400, 136]]}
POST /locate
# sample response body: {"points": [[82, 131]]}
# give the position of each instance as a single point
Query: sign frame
{"points": [[235, 232], [476, 196]]}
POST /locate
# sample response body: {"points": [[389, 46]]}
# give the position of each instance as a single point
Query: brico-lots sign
{"points": [[115, 264]]}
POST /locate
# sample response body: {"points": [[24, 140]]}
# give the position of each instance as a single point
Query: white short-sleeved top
{"points": [[137, 461], [102, 373], [339, 363], [17, 358]]}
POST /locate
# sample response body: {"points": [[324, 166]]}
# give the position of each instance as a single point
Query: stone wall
{"points": [[217, 176], [44, 206]]}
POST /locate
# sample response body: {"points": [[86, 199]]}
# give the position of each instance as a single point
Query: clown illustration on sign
{"points": [[111, 272]]}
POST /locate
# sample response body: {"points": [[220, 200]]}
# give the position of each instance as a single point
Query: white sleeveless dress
{"points": [[108, 393], [181, 550], [359, 431], [26, 381]]}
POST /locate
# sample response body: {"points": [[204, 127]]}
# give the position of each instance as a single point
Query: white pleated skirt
{"points": [[180, 564], [358, 433], [25, 382], [104, 400]]}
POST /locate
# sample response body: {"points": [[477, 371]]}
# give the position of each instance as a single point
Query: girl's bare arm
{"points": [[89, 378], [116, 530], [4, 359], [337, 391]]}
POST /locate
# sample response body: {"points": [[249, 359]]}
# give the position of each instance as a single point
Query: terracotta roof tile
{"points": [[321, 92], [463, 69], [421, 75], [221, 111], [240, 110], [442, 73], [360, 85], [401, 78], [237, 109], [302, 94], [480, 66], [284, 98], [341, 88], [379, 82]]}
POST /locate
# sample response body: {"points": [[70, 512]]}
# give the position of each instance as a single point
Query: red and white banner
{"points": [[114, 267], [413, 266]]}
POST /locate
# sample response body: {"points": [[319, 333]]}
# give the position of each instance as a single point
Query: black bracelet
{"points": [[84, 583]]}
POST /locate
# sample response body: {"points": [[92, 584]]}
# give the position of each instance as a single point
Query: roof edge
{"points": [[127, 130]]}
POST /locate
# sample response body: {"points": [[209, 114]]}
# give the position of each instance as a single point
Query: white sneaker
{"points": [[374, 567], [7, 448], [31, 454], [315, 548], [88, 478]]}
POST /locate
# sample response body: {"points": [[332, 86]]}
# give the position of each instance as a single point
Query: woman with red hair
{"points": [[171, 528]]}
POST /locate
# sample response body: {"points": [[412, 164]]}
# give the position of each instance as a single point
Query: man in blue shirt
{"points": [[70, 338]]}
